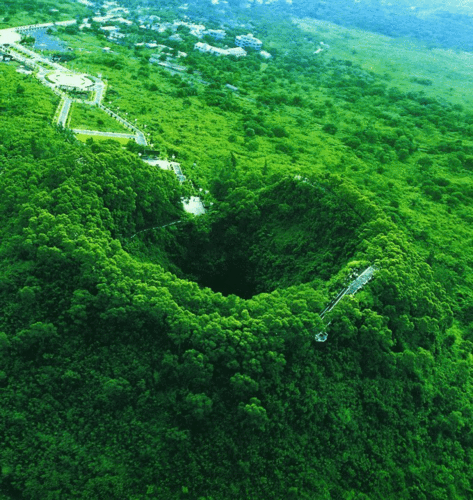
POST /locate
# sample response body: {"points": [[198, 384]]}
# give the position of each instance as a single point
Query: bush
{"points": [[252, 146], [330, 128], [352, 141], [280, 132]]}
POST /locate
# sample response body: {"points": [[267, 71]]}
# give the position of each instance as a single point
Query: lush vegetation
{"points": [[438, 23], [148, 362], [88, 117], [13, 13]]}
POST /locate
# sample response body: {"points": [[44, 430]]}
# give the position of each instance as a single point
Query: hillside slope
{"points": [[182, 362]]}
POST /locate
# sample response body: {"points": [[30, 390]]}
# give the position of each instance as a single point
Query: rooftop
{"points": [[205, 47], [9, 36], [194, 205]]}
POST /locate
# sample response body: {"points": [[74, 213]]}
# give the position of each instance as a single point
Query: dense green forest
{"points": [[180, 362]]}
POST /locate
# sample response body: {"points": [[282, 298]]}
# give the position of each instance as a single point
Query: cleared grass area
{"points": [[98, 138], [399, 59], [91, 118]]}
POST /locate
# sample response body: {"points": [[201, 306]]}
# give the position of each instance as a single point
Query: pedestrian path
{"points": [[358, 283], [138, 136]]}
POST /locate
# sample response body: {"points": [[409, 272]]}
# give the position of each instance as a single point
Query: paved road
{"points": [[156, 227], [139, 136], [351, 289], [99, 92], [362, 279], [141, 139], [43, 65], [64, 113], [177, 170]]}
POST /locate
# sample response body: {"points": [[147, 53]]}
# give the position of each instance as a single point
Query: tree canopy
{"points": [[141, 359]]}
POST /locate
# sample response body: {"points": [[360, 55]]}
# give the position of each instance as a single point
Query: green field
{"points": [[398, 60], [92, 118], [98, 138]]}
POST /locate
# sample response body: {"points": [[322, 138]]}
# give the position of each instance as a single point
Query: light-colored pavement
{"points": [[100, 88], [193, 205], [139, 136], [64, 113]]}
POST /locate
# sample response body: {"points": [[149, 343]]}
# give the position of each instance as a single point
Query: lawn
{"points": [[399, 60], [96, 138], [91, 118]]}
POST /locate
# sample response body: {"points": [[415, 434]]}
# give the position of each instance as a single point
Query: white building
{"points": [[236, 51], [102, 19], [66, 23], [217, 51], [116, 35], [217, 34], [109, 29], [205, 47], [248, 41], [122, 20], [196, 30], [265, 55], [168, 65], [110, 5], [160, 28], [119, 11]]}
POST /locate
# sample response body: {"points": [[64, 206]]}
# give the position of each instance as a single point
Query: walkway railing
{"points": [[358, 283], [139, 135]]}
